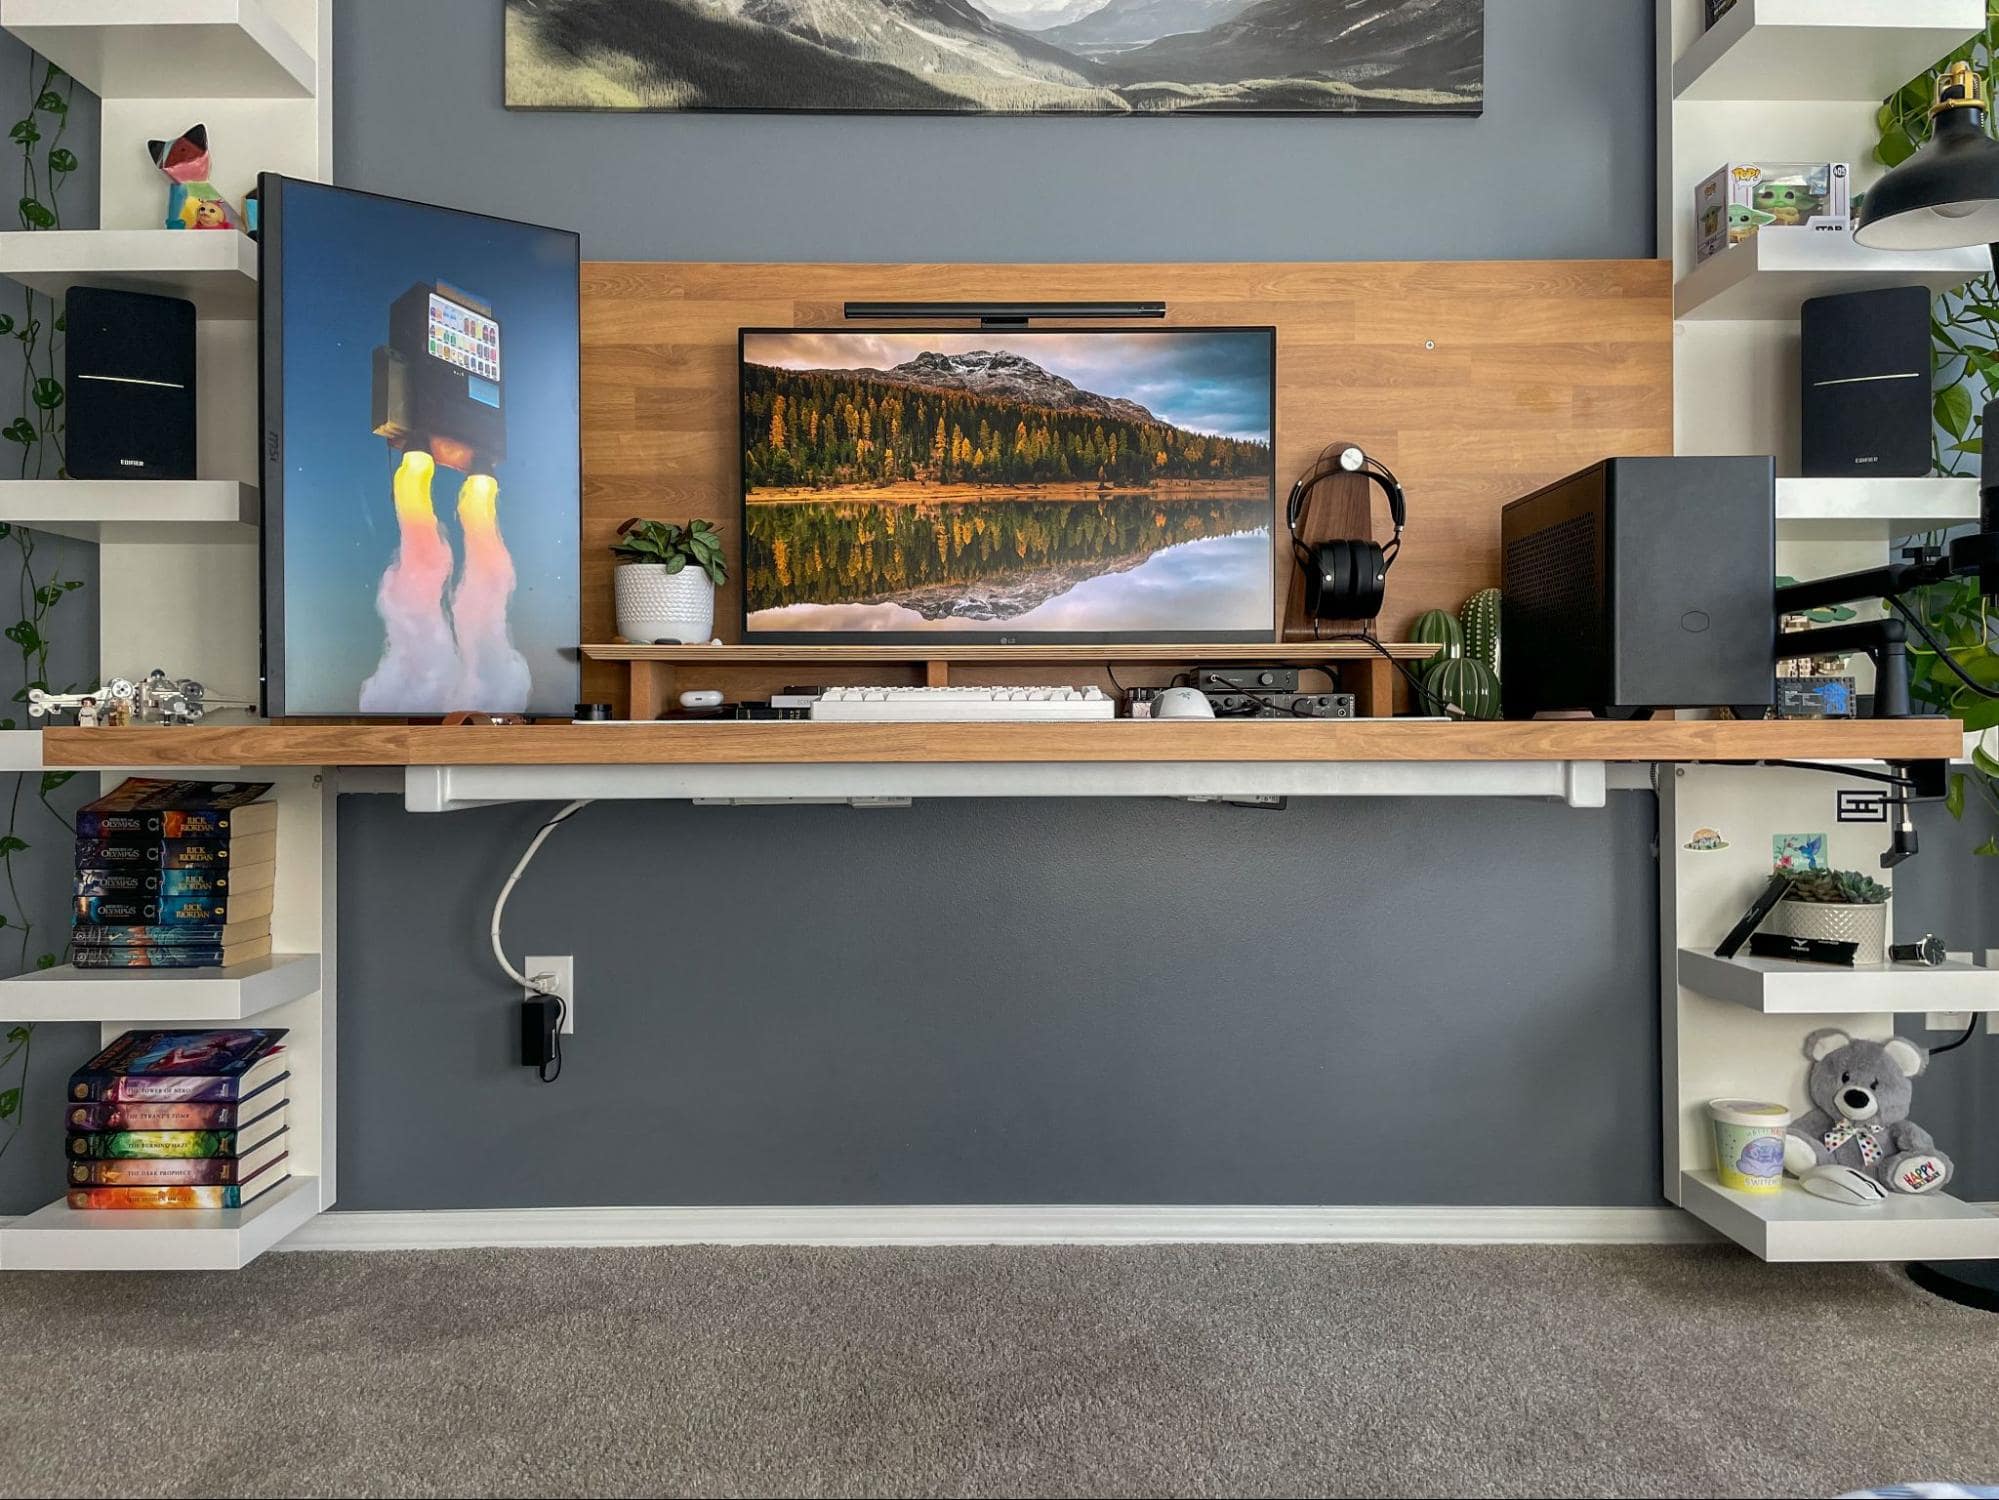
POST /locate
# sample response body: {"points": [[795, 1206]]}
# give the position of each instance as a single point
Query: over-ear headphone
{"points": [[1345, 579]]}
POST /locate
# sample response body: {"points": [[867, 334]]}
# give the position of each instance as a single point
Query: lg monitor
{"points": [[1008, 487], [421, 457]]}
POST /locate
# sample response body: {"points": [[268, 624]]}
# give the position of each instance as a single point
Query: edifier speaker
{"points": [[1642, 583], [1866, 396], [130, 385]]}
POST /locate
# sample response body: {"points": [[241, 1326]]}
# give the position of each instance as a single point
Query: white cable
{"points": [[541, 984]]}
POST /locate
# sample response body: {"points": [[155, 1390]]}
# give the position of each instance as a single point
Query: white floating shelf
{"points": [[67, 993], [61, 1238], [1772, 275], [216, 269], [1876, 507], [166, 49], [21, 749], [1822, 49], [1792, 1225], [1780, 988], [134, 510]]}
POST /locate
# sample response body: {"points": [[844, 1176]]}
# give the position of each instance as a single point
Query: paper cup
{"points": [[1749, 1144]]}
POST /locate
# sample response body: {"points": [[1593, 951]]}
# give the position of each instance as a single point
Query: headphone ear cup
{"points": [[1348, 581]]}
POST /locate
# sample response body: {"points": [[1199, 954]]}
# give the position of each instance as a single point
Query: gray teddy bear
{"points": [[1861, 1092]]}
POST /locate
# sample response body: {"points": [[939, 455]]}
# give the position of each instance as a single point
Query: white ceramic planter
{"points": [[1865, 925], [655, 605]]}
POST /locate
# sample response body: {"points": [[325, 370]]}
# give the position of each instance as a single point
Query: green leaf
{"points": [[23, 634], [46, 961], [1989, 848], [9, 844], [674, 564], [10, 1102], [1980, 758], [53, 779], [1954, 799], [1972, 445], [36, 215], [25, 132], [48, 393], [52, 103], [1953, 411], [62, 159]]}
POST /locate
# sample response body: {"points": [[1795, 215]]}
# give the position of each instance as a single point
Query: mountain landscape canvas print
{"points": [[1020, 485], [999, 56]]}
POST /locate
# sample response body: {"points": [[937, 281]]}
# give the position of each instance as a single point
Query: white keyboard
{"points": [[992, 705]]}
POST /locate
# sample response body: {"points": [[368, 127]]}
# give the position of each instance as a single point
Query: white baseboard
{"points": [[995, 1224]]}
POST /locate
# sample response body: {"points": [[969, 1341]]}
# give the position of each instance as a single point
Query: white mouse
{"points": [[1846, 1185], [1182, 703]]}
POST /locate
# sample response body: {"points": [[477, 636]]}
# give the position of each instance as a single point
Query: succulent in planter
{"points": [[672, 547], [1835, 906], [666, 579], [1836, 888]]}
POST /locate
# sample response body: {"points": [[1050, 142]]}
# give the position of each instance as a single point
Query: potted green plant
{"points": [[1835, 906], [666, 579]]}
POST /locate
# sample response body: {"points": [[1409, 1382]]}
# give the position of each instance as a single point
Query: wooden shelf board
{"points": [[1822, 49], [724, 742], [1775, 987], [1771, 276], [60, 1238], [214, 269], [133, 510], [166, 49], [1793, 1225], [1274, 653], [67, 993]]}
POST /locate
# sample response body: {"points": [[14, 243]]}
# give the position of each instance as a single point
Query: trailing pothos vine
{"points": [[46, 164]]}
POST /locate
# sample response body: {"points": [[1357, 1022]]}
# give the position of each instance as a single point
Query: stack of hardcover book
{"points": [[179, 1119], [175, 875]]}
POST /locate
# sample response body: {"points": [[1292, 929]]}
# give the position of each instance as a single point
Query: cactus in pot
{"points": [[1479, 619]]}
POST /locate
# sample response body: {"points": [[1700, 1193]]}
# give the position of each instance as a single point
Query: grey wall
{"points": [[31, 1166], [1560, 164]]}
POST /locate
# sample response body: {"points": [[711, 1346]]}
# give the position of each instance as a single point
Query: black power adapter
{"points": [[541, 1047]]}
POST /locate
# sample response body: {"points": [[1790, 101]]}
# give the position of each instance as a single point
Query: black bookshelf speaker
{"points": [[129, 378], [1866, 396]]}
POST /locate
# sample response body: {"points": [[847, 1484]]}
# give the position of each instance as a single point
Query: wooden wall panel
{"points": [[1476, 381]]}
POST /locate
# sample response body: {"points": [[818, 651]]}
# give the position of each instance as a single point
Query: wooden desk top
{"points": [[725, 742]]}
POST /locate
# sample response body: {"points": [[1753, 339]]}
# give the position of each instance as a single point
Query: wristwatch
{"points": [[1926, 950]]}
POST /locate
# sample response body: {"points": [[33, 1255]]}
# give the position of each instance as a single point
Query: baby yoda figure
{"points": [[1744, 221]]}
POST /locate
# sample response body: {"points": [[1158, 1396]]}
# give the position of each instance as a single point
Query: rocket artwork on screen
{"points": [[440, 401]]}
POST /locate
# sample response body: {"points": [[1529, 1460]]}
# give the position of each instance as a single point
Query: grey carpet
{"points": [[1179, 1370]]}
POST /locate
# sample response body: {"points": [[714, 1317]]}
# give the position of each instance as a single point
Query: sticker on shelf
{"points": [[1705, 841], [1798, 851]]}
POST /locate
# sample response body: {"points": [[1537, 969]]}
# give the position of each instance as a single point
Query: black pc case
{"points": [[1641, 583]]}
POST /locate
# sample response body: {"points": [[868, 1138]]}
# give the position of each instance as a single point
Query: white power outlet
{"points": [[564, 970]]}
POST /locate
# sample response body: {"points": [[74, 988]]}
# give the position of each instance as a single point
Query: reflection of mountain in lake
{"points": [[975, 560]]}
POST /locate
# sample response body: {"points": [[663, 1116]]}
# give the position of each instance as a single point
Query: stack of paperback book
{"points": [[175, 875], [179, 1119]]}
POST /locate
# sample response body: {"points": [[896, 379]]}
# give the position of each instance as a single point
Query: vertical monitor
{"points": [[421, 457], [1008, 486]]}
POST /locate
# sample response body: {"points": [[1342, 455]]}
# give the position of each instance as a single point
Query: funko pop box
{"points": [[1744, 198]]}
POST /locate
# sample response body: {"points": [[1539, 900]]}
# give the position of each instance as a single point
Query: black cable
{"points": [[1423, 694], [561, 1010], [1929, 639], [1859, 772], [1951, 1046], [1119, 688]]}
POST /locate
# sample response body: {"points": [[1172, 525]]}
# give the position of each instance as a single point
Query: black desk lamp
{"points": [[1944, 197]]}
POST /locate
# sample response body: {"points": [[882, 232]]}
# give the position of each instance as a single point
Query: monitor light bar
{"points": [[1003, 314]]}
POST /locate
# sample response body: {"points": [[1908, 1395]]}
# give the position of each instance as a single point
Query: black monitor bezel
{"points": [[993, 638], [270, 457]]}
